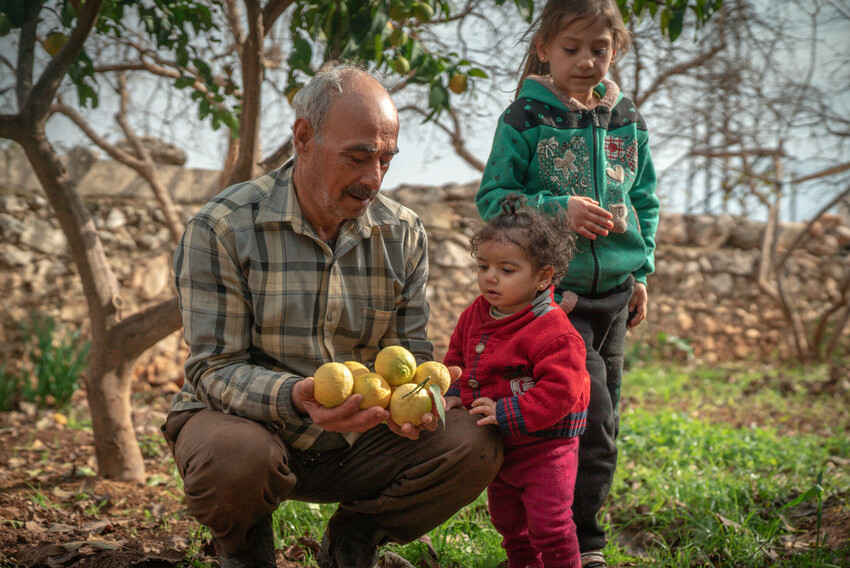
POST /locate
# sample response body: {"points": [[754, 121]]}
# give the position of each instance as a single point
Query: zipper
{"points": [[594, 123]]}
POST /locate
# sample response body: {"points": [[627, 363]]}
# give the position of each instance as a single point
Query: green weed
{"points": [[716, 470], [53, 368]]}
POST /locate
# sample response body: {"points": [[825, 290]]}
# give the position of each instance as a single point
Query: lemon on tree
{"points": [[457, 84], [408, 403], [435, 373], [54, 42], [332, 384], [356, 368], [375, 389], [396, 364]]}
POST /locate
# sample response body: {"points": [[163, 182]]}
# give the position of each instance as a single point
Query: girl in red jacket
{"points": [[523, 370]]}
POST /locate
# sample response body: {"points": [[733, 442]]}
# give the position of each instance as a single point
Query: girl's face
{"points": [[507, 277], [579, 57]]}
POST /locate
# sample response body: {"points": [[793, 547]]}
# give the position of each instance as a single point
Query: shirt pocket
{"points": [[373, 326]]}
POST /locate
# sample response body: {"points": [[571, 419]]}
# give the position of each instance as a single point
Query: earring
{"points": [[541, 286]]}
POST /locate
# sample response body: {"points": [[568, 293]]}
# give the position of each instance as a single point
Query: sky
{"points": [[426, 156]]}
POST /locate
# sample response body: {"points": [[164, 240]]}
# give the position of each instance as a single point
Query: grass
{"points": [[719, 467]]}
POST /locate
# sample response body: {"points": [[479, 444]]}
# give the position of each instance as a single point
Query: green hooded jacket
{"points": [[549, 147]]}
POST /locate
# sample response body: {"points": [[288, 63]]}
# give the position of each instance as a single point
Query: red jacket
{"points": [[531, 363]]}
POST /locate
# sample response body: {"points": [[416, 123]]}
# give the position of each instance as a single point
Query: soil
{"points": [[55, 512]]}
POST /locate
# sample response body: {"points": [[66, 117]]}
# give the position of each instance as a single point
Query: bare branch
{"points": [[456, 136], [142, 330]]}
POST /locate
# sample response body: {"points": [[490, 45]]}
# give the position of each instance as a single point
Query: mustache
{"points": [[362, 192]]}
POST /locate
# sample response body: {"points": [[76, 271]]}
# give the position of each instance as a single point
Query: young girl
{"points": [[571, 140], [523, 370]]}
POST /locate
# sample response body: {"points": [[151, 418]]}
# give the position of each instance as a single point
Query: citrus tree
{"points": [[69, 44]]}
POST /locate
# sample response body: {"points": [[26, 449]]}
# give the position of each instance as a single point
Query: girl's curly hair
{"points": [[548, 239]]}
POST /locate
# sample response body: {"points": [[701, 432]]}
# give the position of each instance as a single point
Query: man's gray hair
{"points": [[314, 99]]}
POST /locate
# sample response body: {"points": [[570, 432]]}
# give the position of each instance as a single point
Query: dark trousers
{"points": [[236, 470], [601, 321]]}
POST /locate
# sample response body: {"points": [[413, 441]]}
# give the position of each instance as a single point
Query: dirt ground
{"points": [[55, 512]]}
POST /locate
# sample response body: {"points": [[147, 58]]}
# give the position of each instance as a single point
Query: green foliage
{"points": [[383, 34], [55, 365], [689, 491], [672, 12]]}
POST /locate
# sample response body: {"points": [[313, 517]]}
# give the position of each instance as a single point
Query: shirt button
{"points": [[479, 348], [473, 384], [330, 317]]}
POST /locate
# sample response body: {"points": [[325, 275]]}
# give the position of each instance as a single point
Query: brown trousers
{"points": [[236, 470]]}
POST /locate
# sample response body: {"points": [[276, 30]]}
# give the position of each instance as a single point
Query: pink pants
{"points": [[531, 504]]}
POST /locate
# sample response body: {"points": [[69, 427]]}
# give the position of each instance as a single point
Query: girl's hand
{"points": [[637, 304], [453, 402], [486, 407], [588, 218]]}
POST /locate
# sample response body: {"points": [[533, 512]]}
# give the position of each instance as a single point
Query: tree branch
{"points": [[455, 136], [113, 151], [273, 11], [278, 157], [39, 99], [142, 330]]}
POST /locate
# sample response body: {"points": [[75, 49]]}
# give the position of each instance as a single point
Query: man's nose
{"points": [[372, 175]]}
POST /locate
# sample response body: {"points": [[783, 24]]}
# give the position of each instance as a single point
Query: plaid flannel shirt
{"points": [[265, 302]]}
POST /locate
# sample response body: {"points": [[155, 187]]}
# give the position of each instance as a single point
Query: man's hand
{"points": [[347, 417], [486, 407], [637, 304], [588, 218], [429, 420]]}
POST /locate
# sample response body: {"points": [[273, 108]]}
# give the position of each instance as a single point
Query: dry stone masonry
{"points": [[704, 290]]}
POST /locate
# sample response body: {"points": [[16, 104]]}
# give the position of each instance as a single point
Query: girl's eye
{"points": [[600, 51], [570, 50], [482, 267], [507, 270]]}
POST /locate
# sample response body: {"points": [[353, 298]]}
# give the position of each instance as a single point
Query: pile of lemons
{"points": [[397, 384]]}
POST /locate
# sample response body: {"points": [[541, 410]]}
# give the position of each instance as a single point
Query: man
{"points": [[305, 265]]}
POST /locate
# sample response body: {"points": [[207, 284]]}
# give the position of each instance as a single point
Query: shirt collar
{"points": [[282, 206]]}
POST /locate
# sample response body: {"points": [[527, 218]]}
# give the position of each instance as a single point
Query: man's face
{"points": [[340, 173]]}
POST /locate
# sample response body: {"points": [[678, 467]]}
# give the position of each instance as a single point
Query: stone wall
{"points": [[704, 290]]}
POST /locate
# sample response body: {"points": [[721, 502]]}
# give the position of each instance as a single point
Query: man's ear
{"points": [[302, 135]]}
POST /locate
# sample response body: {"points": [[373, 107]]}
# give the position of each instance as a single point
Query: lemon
{"points": [[54, 42], [375, 389], [457, 83], [332, 384], [435, 372], [356, 368], [407, 407], [396, 364]]}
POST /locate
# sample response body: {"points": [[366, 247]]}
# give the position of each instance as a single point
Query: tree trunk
{"points": [[115, 344], [252, 60], [108, 389]]}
